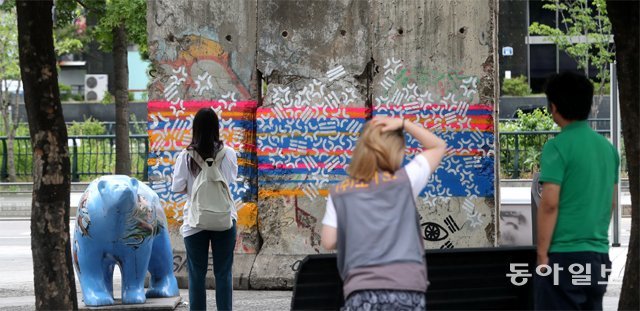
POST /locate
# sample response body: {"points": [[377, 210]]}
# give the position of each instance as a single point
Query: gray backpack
{"points": [[211, 203]]}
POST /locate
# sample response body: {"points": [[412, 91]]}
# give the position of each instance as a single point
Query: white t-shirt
{"points": [[183, 180], [418, 171]]}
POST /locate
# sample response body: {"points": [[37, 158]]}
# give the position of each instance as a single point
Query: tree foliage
{"points": [[69, 39], [110, 14], [9, 65], [584, 33], [10, 83], [130, 12]]}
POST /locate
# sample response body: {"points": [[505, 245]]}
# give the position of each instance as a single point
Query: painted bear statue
{"points": [[120, 222]]}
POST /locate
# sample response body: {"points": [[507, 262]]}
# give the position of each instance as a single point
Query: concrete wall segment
{"points": [[203, 55], [327, 66]]}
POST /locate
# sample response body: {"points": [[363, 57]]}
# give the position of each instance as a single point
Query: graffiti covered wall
{"points": [[323, 70], [313, 109], [435, 66], [204, 62]]}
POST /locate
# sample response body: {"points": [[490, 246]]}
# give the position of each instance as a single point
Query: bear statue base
{"points": [[168, 303]]}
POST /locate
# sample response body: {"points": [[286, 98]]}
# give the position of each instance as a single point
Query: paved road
{"points": [[16, 271], [16, 281]]}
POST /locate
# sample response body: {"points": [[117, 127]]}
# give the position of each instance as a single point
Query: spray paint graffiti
{"points": [[170, 132], [307, 221], [448, 105], [198, 70], [206, 68], [302, 151], [434, 232], [307, 134], [305, 137]]}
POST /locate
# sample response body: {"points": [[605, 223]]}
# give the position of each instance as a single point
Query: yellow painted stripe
{"points": [[248, 215]]}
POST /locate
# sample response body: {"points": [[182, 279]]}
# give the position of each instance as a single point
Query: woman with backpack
{"points": [[371, 218], [203, 172]]}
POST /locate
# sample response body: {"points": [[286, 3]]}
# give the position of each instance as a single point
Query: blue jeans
{"points": [[222, 245]]}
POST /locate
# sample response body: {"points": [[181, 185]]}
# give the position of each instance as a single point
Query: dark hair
{"points": [[205, 137], [571, 93]]}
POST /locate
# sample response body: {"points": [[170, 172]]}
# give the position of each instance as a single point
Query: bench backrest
{"points": [[461, 279]]}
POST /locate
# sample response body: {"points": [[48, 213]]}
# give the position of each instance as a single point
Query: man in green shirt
{"points": [[579, 172]]}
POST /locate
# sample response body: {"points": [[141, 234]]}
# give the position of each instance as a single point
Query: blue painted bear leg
{"points": [[95, 291], [107, 269], [163, 282], [134, 269]]}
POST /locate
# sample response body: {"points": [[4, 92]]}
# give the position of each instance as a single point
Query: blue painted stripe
{"points": [[267, 126], [464, 140], [248, 125], [427, 112]]}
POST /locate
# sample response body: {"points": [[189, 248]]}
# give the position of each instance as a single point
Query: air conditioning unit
{"points": [[95, 86]]}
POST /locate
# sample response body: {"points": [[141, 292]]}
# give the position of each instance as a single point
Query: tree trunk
{"points": [[5, 98], [50, 244], [121, 69], [624, 17], [10, 117], [11, 135]]}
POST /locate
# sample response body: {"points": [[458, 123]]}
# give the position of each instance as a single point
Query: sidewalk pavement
{"points": [[16, 276], [243, 300]]}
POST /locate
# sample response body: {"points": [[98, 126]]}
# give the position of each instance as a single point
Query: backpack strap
{"points": [[194, 154], [221, 155], [203, 162]]}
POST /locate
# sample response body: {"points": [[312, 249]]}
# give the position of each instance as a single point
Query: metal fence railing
{"points": [[520, 151], [93, 156], [595, 123], [90, 157]]}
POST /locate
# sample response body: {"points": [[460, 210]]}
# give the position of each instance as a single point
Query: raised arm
{"points": [[434, 147]]}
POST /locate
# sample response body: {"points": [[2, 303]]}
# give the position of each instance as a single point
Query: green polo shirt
{"points": [[585, 165]]}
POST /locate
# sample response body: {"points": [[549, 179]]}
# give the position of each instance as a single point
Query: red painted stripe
{"points": [[268, 150], [266, 166]]}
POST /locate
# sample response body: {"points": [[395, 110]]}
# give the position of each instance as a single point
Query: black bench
{"points": [[461, 279]]}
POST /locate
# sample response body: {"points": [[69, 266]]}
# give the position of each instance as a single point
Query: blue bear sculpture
{"points": [[120, 222]]}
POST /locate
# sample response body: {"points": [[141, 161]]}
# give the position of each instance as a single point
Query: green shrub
{"points": [[529, 146], [108, 98], [517, 86], [22, 130], [65, 92], [538, 120], [77, 97], [90, 126]]}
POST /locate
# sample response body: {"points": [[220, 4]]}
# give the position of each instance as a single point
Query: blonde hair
{"points": [[376, 151]]}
